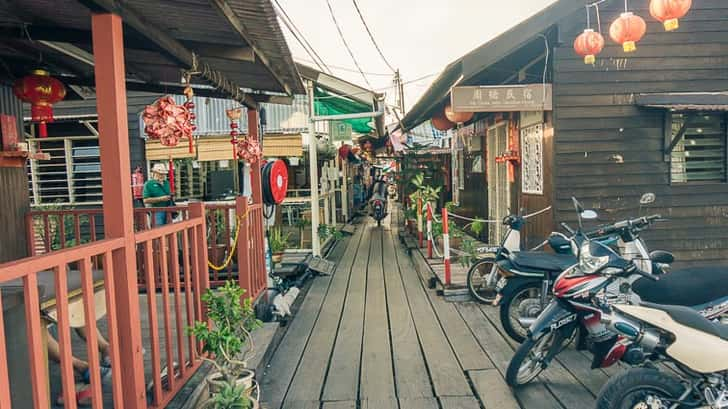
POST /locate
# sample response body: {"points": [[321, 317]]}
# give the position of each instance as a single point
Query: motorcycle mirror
{"points": [[647, 198], [589, 215]]}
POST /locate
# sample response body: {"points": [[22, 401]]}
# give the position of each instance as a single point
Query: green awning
{"points": [[331, 104]]}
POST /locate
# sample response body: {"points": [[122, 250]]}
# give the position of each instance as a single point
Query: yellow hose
{"points": [[229, 258]]}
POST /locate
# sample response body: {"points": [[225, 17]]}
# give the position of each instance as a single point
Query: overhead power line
{"points": [[371, 36], [288, 22], [346, 45], [348, 69]]}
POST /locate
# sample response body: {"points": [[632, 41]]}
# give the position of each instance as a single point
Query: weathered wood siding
{"points": [[608, 151], [14, 200]]}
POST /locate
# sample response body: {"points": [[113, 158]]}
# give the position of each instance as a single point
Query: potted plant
{"points": [[227, 342], [278, 243], [304, 233], [469, 253]]}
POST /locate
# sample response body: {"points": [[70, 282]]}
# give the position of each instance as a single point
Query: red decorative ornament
{"points": [[588, 44], [189, 93], [41, 91], [344, 151], [669, 11], [457, 117], [627, 30], [234, 116], [167, 121], [441, 123]]}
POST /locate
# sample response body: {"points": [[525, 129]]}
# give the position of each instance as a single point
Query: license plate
{"points": [[501, 284]]}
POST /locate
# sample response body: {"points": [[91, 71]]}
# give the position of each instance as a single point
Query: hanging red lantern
{"points": [[234, 115], [588, 44], [627, 30], [441, 123], [457, 117], [669, 11], [41, 91]]}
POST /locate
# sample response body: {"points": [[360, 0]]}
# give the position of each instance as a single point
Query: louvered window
{"points": [[699, 152]]}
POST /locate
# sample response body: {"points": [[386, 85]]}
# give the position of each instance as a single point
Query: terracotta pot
{"points": [[246, 380], [277, 257]]}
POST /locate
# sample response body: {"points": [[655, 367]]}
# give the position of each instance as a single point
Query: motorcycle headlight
{"points": [[588, 263]]}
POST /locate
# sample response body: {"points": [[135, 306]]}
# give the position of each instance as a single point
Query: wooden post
{"points": [[313, 168], [345, 190], [325, 192], [110, 76], [446, 244], [244, 274]]}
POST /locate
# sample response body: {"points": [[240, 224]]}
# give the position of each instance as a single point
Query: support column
{"points": [[325, 192], [254, 132], [345, 190], [313, 167], [110, 76], [333, 179]]}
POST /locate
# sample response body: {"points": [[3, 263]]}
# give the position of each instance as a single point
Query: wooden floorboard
{"points": [[309, 378], [459, 402], [377, 377], [342, 383], [342, 404], [277, 378], [445, 371], [418, 403], [492, 389], [411, 376]]}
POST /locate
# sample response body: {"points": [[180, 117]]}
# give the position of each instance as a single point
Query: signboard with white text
{"points": [[505, 98]]}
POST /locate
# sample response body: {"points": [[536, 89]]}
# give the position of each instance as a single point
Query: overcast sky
{"points": [[420, 37]]}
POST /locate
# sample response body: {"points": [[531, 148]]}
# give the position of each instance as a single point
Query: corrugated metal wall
{"points": [[13, 190]]}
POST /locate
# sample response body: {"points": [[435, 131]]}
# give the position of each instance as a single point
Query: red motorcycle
{"points": [[584, 292]]}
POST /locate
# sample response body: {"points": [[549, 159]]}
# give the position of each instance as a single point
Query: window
{"points": [[698, 143], [532, 155]]}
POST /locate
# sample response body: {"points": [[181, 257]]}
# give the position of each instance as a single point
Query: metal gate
{"points": [[499, 198]]}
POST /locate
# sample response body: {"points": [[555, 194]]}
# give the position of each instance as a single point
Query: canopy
{"points": [[331, 104]]}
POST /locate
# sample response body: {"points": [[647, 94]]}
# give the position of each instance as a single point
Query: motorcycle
{"points": [[378, 201], [696, 346], [582, 292], [523, 295]]}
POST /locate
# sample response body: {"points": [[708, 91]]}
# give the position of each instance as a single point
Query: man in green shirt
{"points": [[157, 193]]}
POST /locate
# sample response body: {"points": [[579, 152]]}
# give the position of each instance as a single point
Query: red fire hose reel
{"points": [[275, 182]]}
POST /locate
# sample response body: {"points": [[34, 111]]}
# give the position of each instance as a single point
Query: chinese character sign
{"points": [[528, 97]]}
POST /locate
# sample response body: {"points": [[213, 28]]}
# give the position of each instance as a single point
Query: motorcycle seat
{"points": [[691, 318], [539, 261], [691, 287]]}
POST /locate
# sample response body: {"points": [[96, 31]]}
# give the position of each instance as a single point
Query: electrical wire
{"points": [[346, 45], [348, 69], [288, 22], [371, 36]]}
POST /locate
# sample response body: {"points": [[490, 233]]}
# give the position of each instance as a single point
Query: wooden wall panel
{"points": [[608, 151]]}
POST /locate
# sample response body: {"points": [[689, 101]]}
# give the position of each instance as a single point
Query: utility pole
{"points": [[313, 168], [399, 89]]}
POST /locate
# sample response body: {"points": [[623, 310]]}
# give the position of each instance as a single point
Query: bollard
{"points": [[429, 231], [446, 243], [419, 222]]}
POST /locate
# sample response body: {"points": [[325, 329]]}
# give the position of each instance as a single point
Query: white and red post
{"points": [[446, 242], [429, 230], [419, 221]]}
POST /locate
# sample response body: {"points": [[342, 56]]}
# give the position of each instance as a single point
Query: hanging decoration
{"points": [[511, 157], [590, 43], [441, 123], [457, 117], [234, 116], [628, 29], [41, 91], [344, 151], [170, 175], [189, 93], [167, 121], [669, 11]]}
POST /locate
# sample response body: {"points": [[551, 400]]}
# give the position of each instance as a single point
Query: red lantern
{"points": [[669, 11], [41, 91], [457, 117], [588, 44], [627, 30], [441, 123]]}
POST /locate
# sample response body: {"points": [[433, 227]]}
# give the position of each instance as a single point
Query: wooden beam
{"points": [[229, 14], [172, 48]]}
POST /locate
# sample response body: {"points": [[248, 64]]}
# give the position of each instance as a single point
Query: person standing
{"points": [[157, 192]]}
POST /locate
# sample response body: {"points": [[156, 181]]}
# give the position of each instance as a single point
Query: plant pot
{"points": [[215, 383], [277, 257]]}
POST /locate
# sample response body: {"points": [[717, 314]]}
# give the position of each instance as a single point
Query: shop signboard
{"points": [[505, 98], [340, 131]]}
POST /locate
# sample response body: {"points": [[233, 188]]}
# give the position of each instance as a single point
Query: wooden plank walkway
{"points": [[372, 335]]}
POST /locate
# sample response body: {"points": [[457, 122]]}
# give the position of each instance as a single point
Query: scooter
{"points": [[582, 292], [378, 201]]}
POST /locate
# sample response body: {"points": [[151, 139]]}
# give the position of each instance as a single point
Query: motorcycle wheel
{"points": [[479, 286], [527, 363], [524, 301], [640, 387], [379, 222]]}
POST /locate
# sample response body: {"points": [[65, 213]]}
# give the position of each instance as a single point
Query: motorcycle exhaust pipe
{"points": [[648, 338]]}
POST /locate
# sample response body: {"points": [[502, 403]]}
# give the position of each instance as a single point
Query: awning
{"points": [[685, 101], [330, 104]]}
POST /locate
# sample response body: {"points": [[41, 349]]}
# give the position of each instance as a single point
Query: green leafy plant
{"points": [[227, 339], [302, 223], [477, 227], [469, 253], [230, 397], [323, 232], [278, 241]]}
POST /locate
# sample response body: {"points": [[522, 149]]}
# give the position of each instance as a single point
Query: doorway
{"points": [[499, 198]]}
